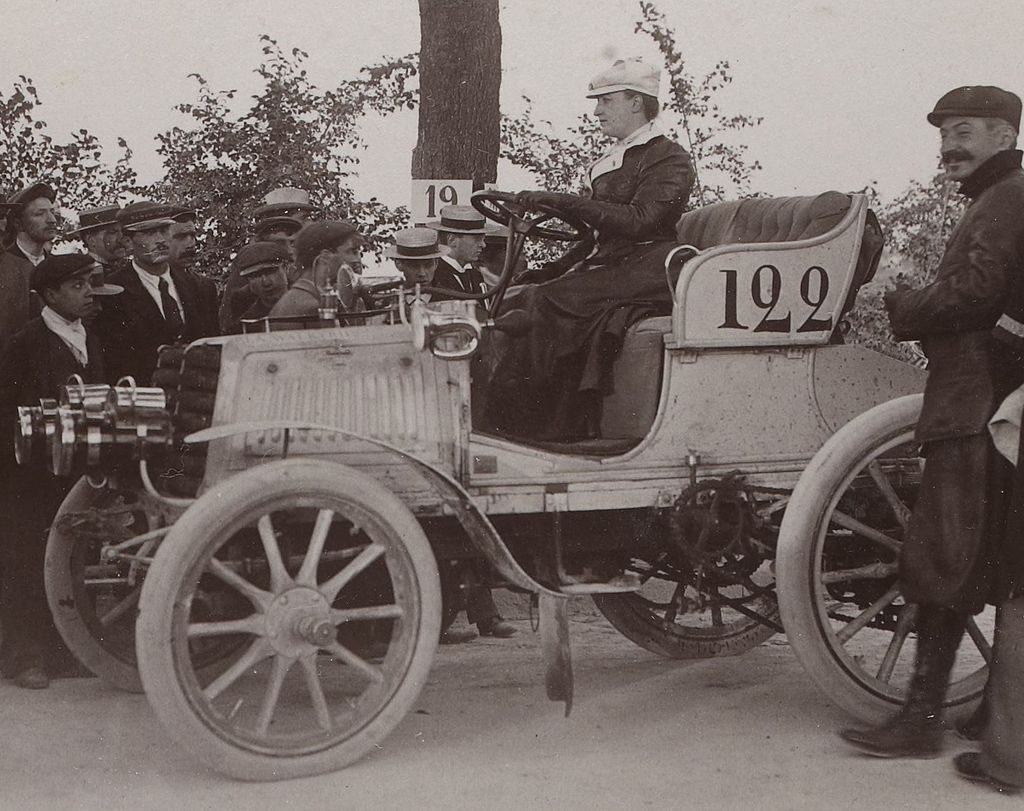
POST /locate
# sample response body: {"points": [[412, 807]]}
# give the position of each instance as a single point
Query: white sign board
{"points": [[430, 196]]}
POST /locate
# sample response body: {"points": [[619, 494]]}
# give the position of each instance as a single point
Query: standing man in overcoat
{"points": [[31, 227], [954, 544]]}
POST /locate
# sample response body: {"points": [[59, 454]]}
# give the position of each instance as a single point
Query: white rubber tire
{"points": [[181, 556]]}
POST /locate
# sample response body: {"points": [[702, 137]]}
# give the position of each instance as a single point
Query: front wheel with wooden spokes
{"points": [[339, 624], [837, 570]]}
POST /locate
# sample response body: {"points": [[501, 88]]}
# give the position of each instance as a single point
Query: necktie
{"points": [[172, 315]]}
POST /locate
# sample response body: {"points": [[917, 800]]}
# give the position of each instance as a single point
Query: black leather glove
{"points": [[532, 199], [539, 275]]}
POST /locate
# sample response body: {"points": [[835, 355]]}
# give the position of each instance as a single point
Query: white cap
{"points": [[626, 74]]}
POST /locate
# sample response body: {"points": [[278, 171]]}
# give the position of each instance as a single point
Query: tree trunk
{"points": [[460, 76]]}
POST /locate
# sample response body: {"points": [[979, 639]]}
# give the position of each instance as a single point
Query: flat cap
{"points": [[626, 74], [414, 243], [56, 269], [460, 220], [318, 236], [32, 192], [978, 101], [147, 215], [89, 219], [257, 256]]}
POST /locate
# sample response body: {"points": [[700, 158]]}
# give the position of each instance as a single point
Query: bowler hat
{"points": [[415, 243], [267, 224], [626, 74], [90, 219], [147, 215], [280, 201], [56, 269], [460, 220], [318, 236], [32, 192], [978, 101], [257, 256]]}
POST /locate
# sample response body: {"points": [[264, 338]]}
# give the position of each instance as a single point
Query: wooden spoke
{"points": [[846, 633], [374, 674], [982, 644], [370, 612], [307, 574], [872, 534], [252, 624], [279, 578], [331, 588], [903, 627], [122, 608], [316, 691], [872, 571], [257, 652], [278, 671], [257, 596], [899, 509]]}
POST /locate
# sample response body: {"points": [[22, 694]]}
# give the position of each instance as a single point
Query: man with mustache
{"points": [[30, 229], [182, 251], [952, 559], [160, 304], [98, 229]]}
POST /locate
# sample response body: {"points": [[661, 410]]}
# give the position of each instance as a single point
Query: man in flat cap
{"points": [[160, 305], [98, 229], [554, 377], [36, 363], [31, 226], [262, 266], [954, 558]]}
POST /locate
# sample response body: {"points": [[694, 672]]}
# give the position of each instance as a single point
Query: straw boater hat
{"points": [[460, 220], [626, 74], [280, 201], [146, 215], [415, 243], [92, 219]]}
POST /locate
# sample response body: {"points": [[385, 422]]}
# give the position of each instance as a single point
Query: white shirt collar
{"points": [[153, 279], [612, 158], [34, 258], [72, 333], [459, 268]]}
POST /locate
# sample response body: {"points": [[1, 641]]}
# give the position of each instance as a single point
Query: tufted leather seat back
{"points": [[762, 219]]}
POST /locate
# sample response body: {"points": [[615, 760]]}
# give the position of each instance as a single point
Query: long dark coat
{"points": [[132, 329], [17, 303], [955, 543], [34, 364], [549, 382]]}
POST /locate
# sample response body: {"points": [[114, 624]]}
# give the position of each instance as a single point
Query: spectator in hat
{"points": [[160, 304], [182, 251], [286, 201], [262, 266], [955, 556], [31, 226], [98, 229], [551, 380], [36, 363], [326, 252], [461, 230]]}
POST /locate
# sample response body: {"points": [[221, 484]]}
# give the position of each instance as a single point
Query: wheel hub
{"points": [[298, 622]]}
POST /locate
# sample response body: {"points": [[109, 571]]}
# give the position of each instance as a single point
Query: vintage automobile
{"points": [[265, 544]]}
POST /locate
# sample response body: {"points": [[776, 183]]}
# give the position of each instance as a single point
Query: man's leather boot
{"points": [[916, 730]]}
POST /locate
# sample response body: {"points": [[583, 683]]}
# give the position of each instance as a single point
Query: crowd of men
{"points": [[104, 313]]}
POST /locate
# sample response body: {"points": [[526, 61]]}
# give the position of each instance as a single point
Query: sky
{"points": [[843, 87]]}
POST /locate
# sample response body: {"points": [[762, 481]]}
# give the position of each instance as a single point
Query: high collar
{"points": [[991, 171]]}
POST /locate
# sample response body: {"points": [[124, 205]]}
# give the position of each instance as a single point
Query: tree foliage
{"points": [[690, 115], [79, 168], [292, 133]]}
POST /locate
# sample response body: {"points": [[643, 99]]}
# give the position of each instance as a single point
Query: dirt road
{"points": [[742, 733]]}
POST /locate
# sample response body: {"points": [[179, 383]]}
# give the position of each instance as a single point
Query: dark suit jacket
{"points": [[17, 304], [132, 329], [446, 277]]}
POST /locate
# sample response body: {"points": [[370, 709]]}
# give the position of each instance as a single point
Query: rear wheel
{"points": [[838, 560], [305, 696]]}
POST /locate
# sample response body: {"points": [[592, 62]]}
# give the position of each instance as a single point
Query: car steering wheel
{"points": [[503, 207]]}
